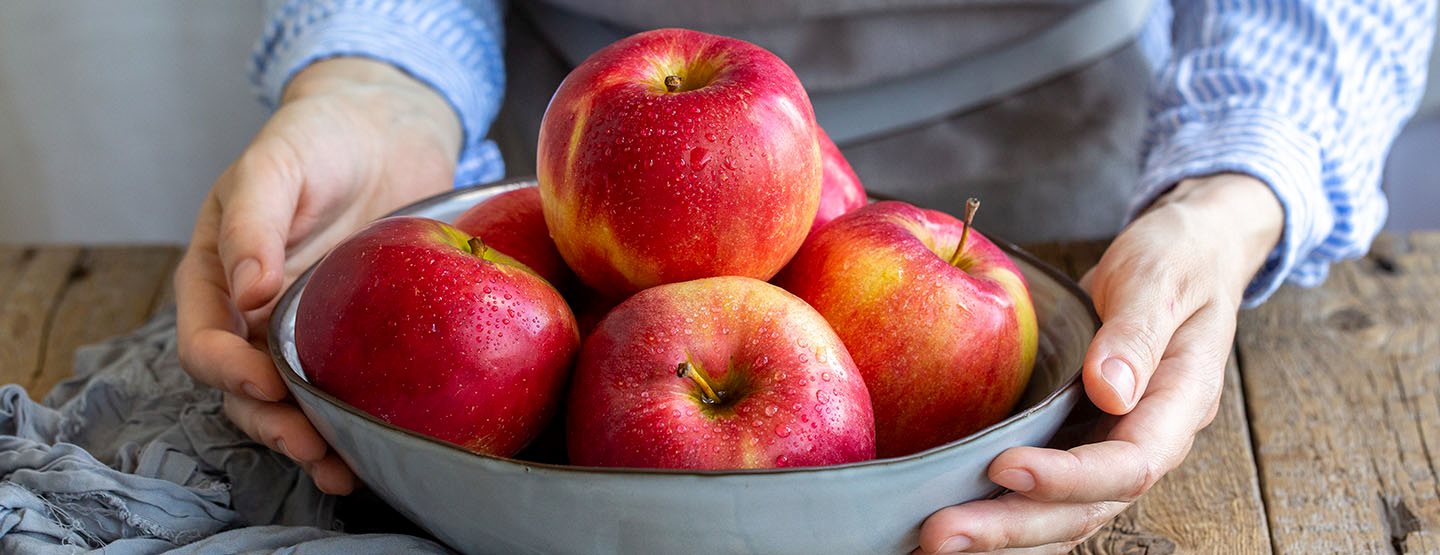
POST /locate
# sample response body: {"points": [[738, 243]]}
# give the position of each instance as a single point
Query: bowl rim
{"points": [[293, 291]]}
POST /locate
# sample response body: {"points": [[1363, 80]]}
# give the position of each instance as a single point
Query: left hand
{"points": [[1167, 290]]}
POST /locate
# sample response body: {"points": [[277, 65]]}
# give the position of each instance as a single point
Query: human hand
{"points": [[1167, 291], [352, 140]]}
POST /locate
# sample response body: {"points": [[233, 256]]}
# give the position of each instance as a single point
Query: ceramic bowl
{"points": [[485, 504]]}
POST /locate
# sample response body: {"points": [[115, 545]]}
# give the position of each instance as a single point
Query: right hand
{"points": [[352, 140]]}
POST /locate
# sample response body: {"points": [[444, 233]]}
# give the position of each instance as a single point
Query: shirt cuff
{"points": [[424, 49], [1258, 143]]}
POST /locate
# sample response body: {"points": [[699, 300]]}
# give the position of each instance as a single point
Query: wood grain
{"points": [[1212, 503], [1343, 383], [33, 279], [109, 291], [165, 298]]}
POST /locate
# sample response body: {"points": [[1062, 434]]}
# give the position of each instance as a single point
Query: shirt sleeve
{"points": [[454, 46], [1304, 95]]}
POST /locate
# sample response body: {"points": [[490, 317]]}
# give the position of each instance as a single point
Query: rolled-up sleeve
{"points": [[1304, 95]]}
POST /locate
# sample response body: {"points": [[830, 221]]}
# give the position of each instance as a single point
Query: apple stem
{"points": [[688, 370], [673, 82], [971, 205], [478, 247]]}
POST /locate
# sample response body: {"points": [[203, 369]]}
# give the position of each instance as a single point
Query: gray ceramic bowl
{"points": [[484, 504]]}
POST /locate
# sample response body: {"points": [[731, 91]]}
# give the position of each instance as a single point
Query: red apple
{"points": [[840, 189], [420, 325], [717, 373], [513, 223], [674, 155], [946, 342]]}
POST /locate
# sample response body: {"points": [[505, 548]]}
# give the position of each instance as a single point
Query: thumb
{"points": [[255, 219], [1138, 323]]}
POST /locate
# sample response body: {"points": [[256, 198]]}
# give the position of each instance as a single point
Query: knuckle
{"points": [[1148, 476], [1095, 518]]}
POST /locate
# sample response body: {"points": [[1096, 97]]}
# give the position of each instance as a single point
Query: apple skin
{"points": [[945, 351], [791, 396], [840, 189], [643, 186], [402, 321], [513, 223]]}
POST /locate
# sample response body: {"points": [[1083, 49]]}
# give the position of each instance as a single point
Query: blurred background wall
{"points": [[115, 117]]}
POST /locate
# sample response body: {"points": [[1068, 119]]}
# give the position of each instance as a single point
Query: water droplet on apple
{"points": [[771, 410], [680, 429], [822, 396], [710, 137], [783, 431], [757, 423], [825, 376], [699, 157], [782, 460]]}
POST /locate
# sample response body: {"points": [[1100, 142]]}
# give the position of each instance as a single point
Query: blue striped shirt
{"points": [[1304, 95]]}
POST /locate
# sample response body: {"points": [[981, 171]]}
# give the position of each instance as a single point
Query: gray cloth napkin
{"points": [[132, 457]]}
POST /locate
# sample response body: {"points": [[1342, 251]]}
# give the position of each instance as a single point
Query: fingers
{"points": [[1128, 347], [256, 209], [1144, 445], [283, 427], [1070, 476], [1015, 522], [211, 332]]}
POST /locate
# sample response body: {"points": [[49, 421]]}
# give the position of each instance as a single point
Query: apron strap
{"points": [[851, 116]]}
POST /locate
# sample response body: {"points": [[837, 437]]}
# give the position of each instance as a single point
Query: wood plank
{"points": [[1212, 502], [165, 299], [35, 278], [1343, 383], [111, 291]]}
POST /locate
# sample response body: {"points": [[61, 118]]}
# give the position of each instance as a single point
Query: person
{"points": [[1260, 163]]}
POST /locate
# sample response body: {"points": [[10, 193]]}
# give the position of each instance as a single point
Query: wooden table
{"points": [[1327, 439]]}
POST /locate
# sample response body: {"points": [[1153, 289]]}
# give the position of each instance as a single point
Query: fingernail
{"points": [[280, 446], [254, 392], [244, 277], [1016, 479], [1121, 378], [955, 543]]}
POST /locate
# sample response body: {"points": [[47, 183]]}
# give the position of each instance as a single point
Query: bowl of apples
{"points": [[690, 332]]}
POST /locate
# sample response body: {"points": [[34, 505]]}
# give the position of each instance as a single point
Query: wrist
{"points": [[1239, 212]]}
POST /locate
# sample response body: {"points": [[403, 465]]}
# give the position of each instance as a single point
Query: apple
{"points": [[941, 325], [717, 373], [424, 327], [840, 189], [513, 223], [674, 155]]}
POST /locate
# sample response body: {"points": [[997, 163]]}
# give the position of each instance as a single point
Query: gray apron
{"points": [[1034, 107]]}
